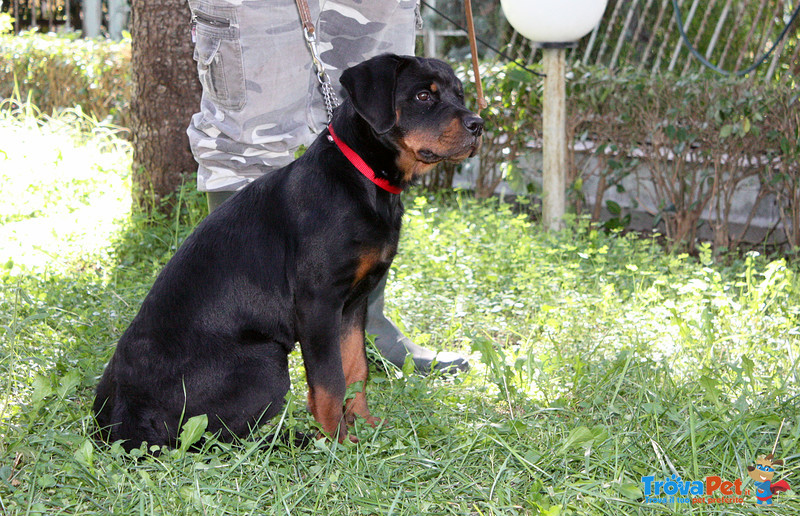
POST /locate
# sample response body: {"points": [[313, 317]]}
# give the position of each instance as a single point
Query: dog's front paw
{"points": [[373, 421]]}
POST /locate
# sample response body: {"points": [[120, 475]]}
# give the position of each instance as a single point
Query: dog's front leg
{"points": [[319, 329], [354, 362]]}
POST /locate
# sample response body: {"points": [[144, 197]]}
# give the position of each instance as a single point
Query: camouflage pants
{"points": [[261, 99]]}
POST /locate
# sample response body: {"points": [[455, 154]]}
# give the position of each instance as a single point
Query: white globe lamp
{"points": [[555, 26], [546, 21]]}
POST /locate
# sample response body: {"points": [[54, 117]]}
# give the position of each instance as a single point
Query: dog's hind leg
{"points": [[252, 389], [119, 421]]}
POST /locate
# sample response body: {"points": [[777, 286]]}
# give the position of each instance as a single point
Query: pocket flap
{"points": [[206, 48]]}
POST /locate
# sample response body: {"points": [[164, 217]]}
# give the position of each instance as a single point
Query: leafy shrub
{"points": [[700, 138], [6, 23], [782, 178], [55, 72], [512, 117]]}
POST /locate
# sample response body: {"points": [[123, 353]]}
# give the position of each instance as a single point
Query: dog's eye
{"points": [[424, 96]]}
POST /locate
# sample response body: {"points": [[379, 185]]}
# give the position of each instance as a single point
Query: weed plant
{"points": [[597, 359]]}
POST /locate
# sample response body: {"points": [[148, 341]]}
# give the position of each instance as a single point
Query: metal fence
{"points": [[645, 35]]}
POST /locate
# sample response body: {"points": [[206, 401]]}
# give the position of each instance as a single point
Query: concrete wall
{"points": [[638, 197]]}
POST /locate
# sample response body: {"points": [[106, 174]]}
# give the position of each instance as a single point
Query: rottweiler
{"points": [[290, 258]]}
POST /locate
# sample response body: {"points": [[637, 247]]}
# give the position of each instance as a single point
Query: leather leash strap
{"points": [[328, 93], [473, 47], [305, 16]]}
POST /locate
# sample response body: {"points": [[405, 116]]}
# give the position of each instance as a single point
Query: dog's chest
{"points": [[373, 260]]}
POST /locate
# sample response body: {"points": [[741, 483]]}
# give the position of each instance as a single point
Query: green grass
{"points": [[598, 359]]}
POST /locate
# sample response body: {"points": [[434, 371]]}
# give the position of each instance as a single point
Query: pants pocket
{"points": [[218, 52]]}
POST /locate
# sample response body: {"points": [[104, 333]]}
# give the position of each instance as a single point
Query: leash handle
{"points": [[473, 47]]}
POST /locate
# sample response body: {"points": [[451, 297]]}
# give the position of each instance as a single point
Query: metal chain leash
{"points": [[329, 96], [328, 93]]}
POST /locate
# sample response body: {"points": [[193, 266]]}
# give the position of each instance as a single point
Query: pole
{"points": [[92, 18], [554, 120]]}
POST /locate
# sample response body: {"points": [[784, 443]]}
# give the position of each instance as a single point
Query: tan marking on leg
{"points": [[354, 363], [327, 410], [366, 262]]}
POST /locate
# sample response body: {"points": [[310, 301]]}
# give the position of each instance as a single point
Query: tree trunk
{"points": [[166, 92]]}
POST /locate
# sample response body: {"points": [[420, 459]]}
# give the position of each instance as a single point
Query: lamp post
{"points": [[555, 26]]}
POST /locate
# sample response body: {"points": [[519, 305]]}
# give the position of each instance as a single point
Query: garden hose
{"points": [[717, 69]]}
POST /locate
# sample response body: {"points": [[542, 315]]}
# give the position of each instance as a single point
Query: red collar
{"points": [[362, 167]]}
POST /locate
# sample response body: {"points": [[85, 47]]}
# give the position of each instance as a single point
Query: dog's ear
{"points": [[779, 462], [751, 468], [371, 87]]}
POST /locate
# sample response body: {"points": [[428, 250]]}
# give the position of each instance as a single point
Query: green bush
{"points": [[6, 23], [55, 72], [512, 122], [699, 137]]}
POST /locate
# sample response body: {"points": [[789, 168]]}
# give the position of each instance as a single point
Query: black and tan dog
{"points": [[291, 258]]}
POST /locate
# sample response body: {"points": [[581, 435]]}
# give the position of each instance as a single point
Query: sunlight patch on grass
{"points": [[65, 187]]}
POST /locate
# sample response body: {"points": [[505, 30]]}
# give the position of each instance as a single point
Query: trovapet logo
{"points": [[715, 489], [762, 474], [712, 490]]}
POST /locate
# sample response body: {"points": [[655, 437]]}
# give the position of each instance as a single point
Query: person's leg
{"points": [[394, 346], [351, 31], [251, 56], [215, 199]]}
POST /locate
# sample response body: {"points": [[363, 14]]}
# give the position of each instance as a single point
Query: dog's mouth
{"points": [[419, 152], [428, 156], [467, 150]]}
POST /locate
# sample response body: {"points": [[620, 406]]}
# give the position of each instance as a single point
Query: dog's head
{"points": [[416, 105]]}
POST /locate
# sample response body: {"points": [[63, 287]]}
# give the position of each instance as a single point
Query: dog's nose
{"points": [[474, 124]]}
